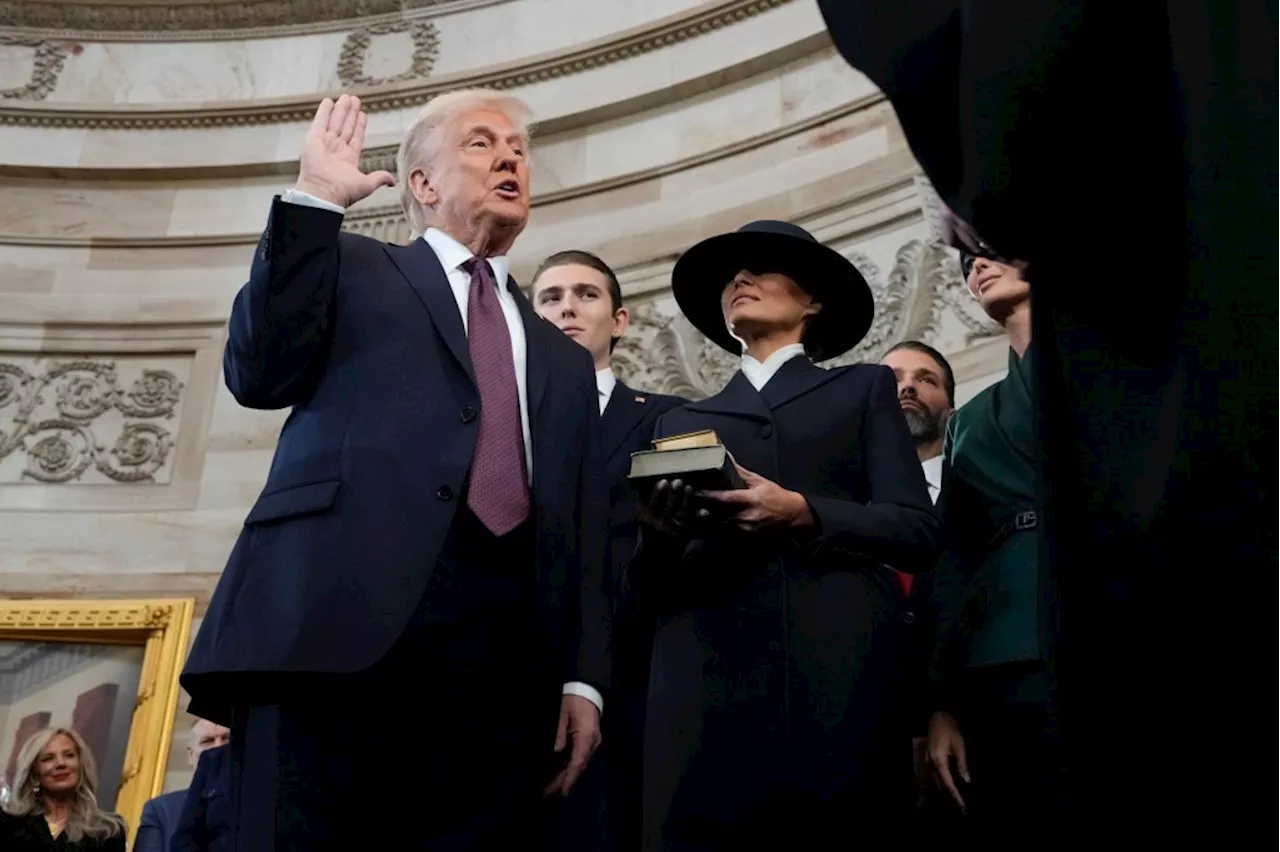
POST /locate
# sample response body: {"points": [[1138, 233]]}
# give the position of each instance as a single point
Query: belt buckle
{"points": [[1025, 521]]}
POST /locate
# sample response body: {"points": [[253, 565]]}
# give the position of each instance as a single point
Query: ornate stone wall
{"points": [[141, 143]]}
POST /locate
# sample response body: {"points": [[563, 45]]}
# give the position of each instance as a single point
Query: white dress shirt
{"points": [[933, 476], [452, 255], [606, 381], [759, 373]]}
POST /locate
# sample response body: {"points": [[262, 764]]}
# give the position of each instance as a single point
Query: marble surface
{"points": [[150, 72]]}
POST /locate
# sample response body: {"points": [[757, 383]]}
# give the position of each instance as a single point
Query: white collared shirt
{"points": [[452, 254], [606, 381], [759, 373], [933, 476]]}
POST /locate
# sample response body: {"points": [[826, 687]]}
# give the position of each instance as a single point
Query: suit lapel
{"points": [[738, 399], [421, 268], [795, 378], [621, 417]]}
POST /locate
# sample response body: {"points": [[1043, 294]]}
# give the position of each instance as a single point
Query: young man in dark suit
{"points": [[432, 525], [772, 716], [580, 294]]}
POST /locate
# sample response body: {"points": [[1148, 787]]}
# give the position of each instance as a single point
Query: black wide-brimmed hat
{"points": [[701, 273]]}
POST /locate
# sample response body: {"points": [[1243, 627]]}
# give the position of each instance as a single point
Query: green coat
{"points": [[984, 596]]}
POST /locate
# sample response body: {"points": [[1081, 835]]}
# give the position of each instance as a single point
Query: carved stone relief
{"points": [[46, 65], [355, 53], [921, 298], [86, 420], [575, 60], [177, 17]]}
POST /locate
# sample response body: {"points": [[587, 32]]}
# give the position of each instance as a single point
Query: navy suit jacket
{"points": [[159, 821], [626, 427], [204, 824], [365, 342]]}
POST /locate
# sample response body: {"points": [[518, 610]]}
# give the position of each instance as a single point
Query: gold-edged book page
{"points": [[702, 438]]}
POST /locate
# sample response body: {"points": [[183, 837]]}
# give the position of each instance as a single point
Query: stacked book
{"points": [[697, 459]]}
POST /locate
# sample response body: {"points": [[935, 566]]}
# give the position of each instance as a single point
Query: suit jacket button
{"points": [[444, 492], [908, 617], [774, 647], [467, 414], [766, 431]]}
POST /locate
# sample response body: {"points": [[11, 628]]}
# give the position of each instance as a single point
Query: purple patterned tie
{"points": [[498, 490]]}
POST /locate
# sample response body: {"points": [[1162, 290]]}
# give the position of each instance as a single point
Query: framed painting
{"points": [[108, 670]]}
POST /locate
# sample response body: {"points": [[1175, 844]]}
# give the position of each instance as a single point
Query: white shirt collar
{"points": [[759, 373], [606, 381], [452, 254], [933, 475]]}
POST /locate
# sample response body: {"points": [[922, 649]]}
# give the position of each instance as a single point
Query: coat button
{"points": [[444, 492], [766, 431], [774, 646], [908, 618], [467, 414]]}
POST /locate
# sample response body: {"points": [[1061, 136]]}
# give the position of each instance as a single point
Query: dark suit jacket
{"points": [[205, 820], [159, 821], [775, 661], [1157, 402], [30, 833], [364, 340], [626, 427]]}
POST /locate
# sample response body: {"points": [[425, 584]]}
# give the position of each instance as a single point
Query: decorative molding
{"points": [[199, 21], [664, 353], [388, 222], [45, 68], [355, 52], [63, 446], [636, 42], [126, 404], [98, 615]]}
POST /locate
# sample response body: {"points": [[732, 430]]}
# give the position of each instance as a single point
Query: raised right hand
{"points": [[330, 163]]}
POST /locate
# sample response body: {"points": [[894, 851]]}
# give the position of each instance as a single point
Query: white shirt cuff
{"points": [[305, 199], [586, 691]]}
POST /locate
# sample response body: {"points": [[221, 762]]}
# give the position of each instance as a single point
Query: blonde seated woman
{"points": [[54, 804]]}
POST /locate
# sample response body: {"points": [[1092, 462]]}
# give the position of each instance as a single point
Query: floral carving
{"points": [[62, 447], [45, 68], [665, 354], [197, 18], [355, 52]]}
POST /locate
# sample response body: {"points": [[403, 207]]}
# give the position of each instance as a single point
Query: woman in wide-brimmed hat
{"points": [[770, 720]]}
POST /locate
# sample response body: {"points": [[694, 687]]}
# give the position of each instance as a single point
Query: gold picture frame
{"points": [[161, 629]]}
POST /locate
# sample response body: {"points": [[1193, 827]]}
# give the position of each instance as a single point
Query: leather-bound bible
{"points": [[696, 458]]}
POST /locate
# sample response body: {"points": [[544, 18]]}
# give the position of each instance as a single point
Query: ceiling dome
{"points": [[195, 18]]}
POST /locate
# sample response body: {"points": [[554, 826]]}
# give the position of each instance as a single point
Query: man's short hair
{"points": [[578, 257], [948, 377], [422, 143]]}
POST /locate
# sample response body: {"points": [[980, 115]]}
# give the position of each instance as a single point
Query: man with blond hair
{"points": [[428, 548]]}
